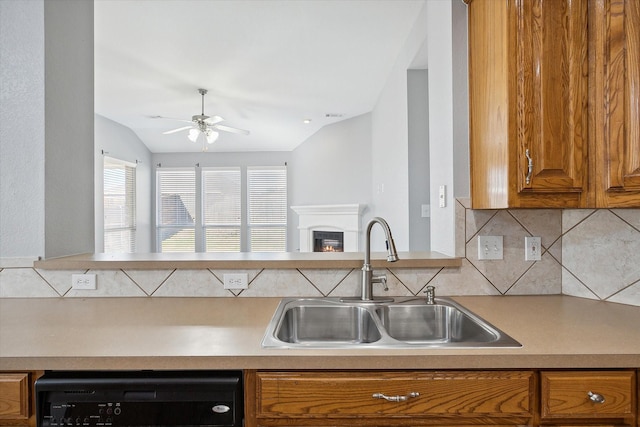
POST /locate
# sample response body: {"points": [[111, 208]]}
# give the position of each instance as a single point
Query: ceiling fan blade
{"points": [[213, 120], [169, 132], [230, 129], [171, 118]]}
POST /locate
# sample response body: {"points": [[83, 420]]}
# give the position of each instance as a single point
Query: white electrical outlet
{"points": [[532, 248], [236, 281], [83, 281], [490, 247]]}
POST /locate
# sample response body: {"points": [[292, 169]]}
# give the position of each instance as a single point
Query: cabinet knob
{"points": [[395, 398], [595, 397]]}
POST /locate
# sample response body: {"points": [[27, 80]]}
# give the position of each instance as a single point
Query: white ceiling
{"points": [[268, 65]]}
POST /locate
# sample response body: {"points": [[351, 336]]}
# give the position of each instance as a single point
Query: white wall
{"points": [[390, 181], [47, 128], [447, 117], [333, 166], [120, 142], [69, 127], [460, 70], [22, 136], [419, 179]]}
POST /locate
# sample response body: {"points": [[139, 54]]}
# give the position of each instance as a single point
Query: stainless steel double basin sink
{"points": [[402, 323]]}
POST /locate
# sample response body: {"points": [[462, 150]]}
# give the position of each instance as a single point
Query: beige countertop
{"points": [[225, 333], [331, 260]]}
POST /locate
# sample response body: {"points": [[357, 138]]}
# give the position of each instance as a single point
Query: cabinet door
{"points": [[14, 396], [615, 124], [528, 103], [552, 96]]}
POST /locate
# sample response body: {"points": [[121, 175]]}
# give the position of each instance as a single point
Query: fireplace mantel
{"points": [[345, 218]]}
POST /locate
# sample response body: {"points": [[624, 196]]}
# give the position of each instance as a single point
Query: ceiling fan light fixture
{"points": [[193, 135], [208, 126], [212, 136]]}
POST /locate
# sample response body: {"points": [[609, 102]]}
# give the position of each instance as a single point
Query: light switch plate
{"points": [[442, 196], [490, 247]]}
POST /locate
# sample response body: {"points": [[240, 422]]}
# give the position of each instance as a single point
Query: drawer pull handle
{"points": [[395, 398], [596, 397]]}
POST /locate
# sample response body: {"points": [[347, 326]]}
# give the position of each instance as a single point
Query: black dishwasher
{"points": [[139, 398]]}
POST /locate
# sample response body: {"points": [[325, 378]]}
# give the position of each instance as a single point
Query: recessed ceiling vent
{"points": [[334, 115]]}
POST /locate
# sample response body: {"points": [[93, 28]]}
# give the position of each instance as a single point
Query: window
{"points": [[119, 206], [176, 208], [267, 209], [243, 209], [222, 206]]}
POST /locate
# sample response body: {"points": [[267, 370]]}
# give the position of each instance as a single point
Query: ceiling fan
{"points": [[205, 125]]}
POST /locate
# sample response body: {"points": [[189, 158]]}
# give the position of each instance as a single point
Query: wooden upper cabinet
{"points": [[528, 88], [552, 94], [614, 56]]}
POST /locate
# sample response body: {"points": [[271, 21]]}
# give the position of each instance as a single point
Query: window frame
{"points": [[200, 221]]}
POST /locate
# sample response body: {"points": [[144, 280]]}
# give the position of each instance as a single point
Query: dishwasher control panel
{"points": [[145, 398]]}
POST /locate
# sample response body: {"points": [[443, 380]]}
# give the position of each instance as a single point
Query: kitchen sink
{"points": [[315, 324], [434, 323], [402, 323]]}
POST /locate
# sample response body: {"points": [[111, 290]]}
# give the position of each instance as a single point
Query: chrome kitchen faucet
{"points": [[368, 279]]}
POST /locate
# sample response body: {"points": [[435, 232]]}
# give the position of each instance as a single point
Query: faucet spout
{"points": [[368, 279], [391, 246]]}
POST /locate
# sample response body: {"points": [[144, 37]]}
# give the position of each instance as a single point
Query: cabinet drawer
{"points": [[349, 394], [14, 396], [566, 394]]}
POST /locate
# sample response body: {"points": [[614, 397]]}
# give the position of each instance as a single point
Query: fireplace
{"points": [[342, 219], [328, 241]]}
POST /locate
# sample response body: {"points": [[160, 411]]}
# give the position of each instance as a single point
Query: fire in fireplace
{"points": [[328, 241]]}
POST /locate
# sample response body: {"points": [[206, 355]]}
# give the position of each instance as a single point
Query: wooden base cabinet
{"points": [[390, 398], [17, 399], [577, 398]]}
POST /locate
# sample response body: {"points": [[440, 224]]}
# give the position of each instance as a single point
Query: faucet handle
{"points": [[382, 279]]}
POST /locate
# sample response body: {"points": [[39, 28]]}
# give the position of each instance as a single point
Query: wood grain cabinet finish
{"points": [[574, 397], [14, 396], [393, 398], [17, 399], [528, 89], [614, 73], [554, 103]]}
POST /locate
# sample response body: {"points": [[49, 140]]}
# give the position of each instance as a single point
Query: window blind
{"points": [[267, 208], [222, 208], [176, 210], [119, 206]]}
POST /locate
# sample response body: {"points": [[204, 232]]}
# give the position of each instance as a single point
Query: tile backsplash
{"points": [[590, 253]]}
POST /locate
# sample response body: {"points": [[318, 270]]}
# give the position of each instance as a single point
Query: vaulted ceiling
{"points": [[267, 64]]}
